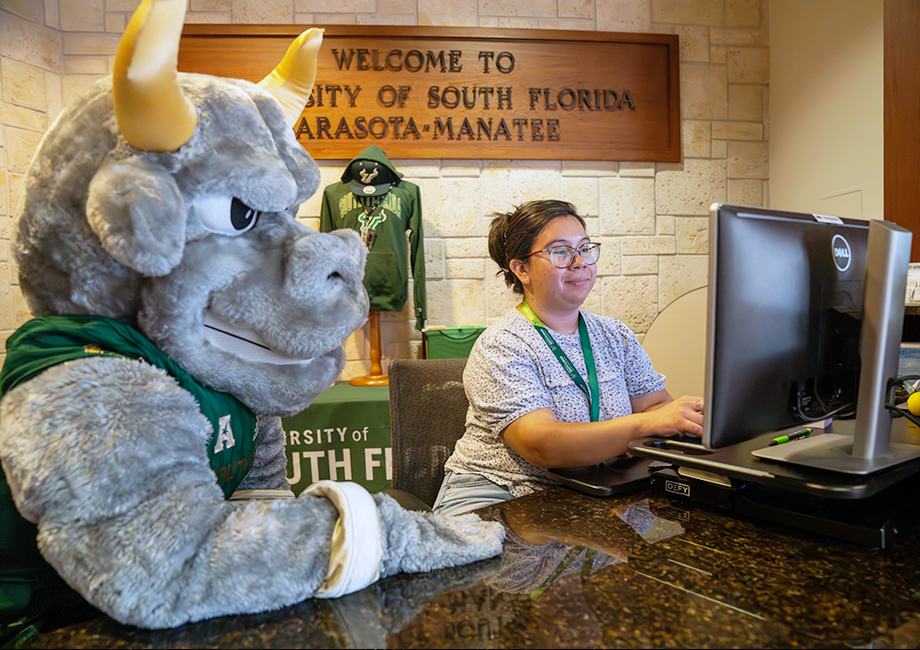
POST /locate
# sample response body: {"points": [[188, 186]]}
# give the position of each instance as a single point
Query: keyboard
{"points": [[687, 437]]}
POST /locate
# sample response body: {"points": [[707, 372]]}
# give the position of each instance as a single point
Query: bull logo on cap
{"points": [[367, 178]]}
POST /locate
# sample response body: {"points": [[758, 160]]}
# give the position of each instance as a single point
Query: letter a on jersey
{"points": [[224, 435]]}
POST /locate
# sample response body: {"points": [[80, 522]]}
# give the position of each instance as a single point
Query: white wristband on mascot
{"points": [[357, 543]]}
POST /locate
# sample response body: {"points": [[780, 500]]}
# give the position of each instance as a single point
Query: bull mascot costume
{"points": [[180, 311]]}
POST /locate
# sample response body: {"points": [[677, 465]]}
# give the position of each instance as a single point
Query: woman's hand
{"points": [[675, 417]]}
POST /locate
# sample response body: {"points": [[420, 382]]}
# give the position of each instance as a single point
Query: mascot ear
{"points": [[137, 212]]}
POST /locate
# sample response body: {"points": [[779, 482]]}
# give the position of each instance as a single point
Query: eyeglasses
{"points": [[562, 256]]}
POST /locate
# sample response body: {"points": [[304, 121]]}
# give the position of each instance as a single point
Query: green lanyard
{"points": [[593, 392]]}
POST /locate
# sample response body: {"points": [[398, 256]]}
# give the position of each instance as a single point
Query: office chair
{"points": [[427, 416]]}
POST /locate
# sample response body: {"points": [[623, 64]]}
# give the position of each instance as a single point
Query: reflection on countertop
{"points": [[579, 571]]}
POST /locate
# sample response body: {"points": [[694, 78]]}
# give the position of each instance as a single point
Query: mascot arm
{"points": [[269, 467], [107, 456]]}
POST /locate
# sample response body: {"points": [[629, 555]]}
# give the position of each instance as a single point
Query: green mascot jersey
{"points": [[45, 342], [386, 275]]}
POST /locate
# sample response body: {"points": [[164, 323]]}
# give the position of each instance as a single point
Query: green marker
{"points": [[803, 433]]}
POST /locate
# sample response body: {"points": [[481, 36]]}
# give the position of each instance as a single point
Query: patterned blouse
{"points": [[512, 372]]}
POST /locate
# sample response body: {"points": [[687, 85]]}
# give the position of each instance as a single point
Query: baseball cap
{"points": [[370, 178]]}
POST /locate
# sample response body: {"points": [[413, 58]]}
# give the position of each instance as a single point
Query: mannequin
{"points": [[373, 199], [376, 377]]}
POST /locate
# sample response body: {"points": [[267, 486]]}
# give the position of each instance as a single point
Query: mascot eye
{"points": [[242, 217], [225, 216]]}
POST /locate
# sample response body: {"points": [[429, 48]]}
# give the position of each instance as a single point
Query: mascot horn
{"points": [[180, 310]]}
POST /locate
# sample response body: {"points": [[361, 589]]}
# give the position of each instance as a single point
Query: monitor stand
{"points": [[866, 447], [834, 452], [875, 521]]}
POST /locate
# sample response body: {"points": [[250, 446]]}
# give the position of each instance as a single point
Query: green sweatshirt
{"points": [[386, 275]]}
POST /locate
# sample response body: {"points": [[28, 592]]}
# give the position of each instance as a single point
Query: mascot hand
{"points": [[375, 537], [422, 541]]}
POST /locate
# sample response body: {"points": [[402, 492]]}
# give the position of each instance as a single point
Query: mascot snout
{"points": [[324, 267]]}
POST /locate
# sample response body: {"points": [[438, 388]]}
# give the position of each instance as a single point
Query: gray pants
{"points": [[462, 493]]}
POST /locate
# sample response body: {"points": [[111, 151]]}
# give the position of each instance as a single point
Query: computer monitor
{"points": [[785, 309], [805, 315]]}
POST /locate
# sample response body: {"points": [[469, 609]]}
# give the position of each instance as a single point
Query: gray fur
{"points": [[269, 471], [107, 455]]}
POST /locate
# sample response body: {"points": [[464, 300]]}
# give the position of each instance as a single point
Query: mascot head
{"points": [[169, 200]]}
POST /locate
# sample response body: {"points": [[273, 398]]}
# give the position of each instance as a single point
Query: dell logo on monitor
{"points": [[842, 254]]}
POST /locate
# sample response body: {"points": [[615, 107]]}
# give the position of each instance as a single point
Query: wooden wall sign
{"points": [[449, 92]]}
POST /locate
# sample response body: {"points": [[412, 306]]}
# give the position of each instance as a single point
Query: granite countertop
{"points": [[578, 571]]}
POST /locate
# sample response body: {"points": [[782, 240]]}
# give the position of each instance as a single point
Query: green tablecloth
{"points": [[344, 435]]}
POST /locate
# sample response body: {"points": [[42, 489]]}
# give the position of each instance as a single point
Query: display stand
{"points": [[376, 376]]}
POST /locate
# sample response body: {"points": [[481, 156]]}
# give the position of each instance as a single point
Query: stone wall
{"points": [[651, 218]]}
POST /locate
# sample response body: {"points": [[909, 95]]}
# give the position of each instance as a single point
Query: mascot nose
{"points": [[323, 267]]}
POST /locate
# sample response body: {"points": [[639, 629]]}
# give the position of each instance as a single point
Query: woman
{"points": [[550, 385]]}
